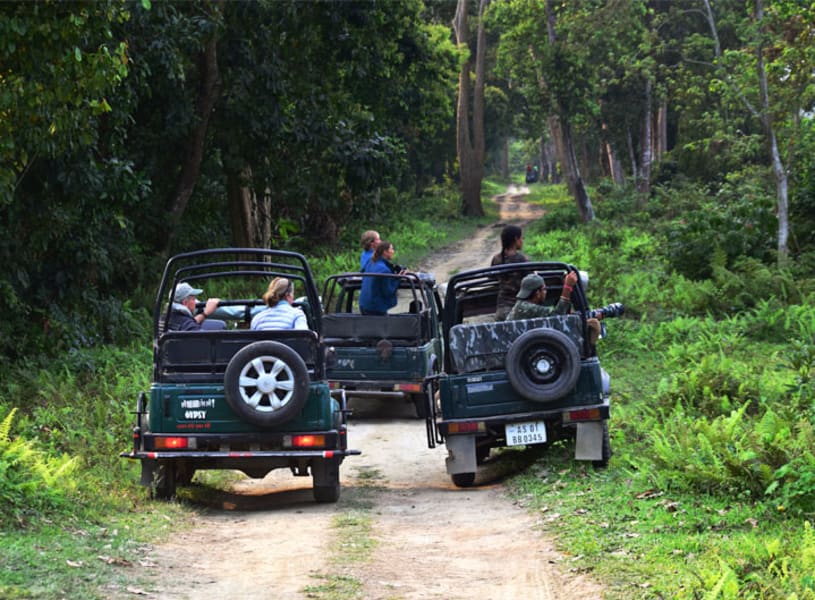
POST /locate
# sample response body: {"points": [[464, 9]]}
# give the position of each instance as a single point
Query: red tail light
{"points": [[469, 427], [171, 443], [587, 414], [307, 441], [408, 387]]}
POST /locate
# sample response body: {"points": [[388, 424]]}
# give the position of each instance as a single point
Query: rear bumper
{"points": [[566, 416], [241, 455]]}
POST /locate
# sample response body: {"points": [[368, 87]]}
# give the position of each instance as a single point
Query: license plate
{"points": [[523, 434]]}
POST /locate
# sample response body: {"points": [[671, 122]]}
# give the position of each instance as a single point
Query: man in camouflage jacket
{"points": [[529, 300]]}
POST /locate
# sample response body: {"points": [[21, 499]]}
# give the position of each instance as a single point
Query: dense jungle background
{"points": [[674, 142]]}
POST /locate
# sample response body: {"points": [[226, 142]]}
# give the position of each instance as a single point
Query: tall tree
{"points": [[470, 124], [783, 37]]}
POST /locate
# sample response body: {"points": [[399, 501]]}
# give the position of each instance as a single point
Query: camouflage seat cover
{"points": [[483, 346]]}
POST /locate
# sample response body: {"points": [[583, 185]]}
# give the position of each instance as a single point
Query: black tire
{"points": [[326, 477], [266, 384], [463, 480], [482, 453], [184, 473], [603, 462], [543, 365], [164, 481], [420, 405]]}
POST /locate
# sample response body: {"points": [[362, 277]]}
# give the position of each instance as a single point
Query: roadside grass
{"points": [[93, 555], [642, 541], [710, 491]]}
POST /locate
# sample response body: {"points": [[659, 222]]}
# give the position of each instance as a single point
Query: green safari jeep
{"points": [[523, 382], [229, 397], [388, 356]]}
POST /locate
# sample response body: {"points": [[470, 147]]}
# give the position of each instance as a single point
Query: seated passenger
{"points": [[182, 315], [533, 294], [378, 294], [280, 314]]}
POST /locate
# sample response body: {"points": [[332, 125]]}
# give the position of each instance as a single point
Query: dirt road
{"points": [[401, 530]]}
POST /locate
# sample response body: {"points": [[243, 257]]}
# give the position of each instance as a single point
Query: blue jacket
{"points": [[378, 294], [364, 258]]}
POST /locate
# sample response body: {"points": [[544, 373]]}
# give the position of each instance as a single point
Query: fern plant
{"points": [[31, 482]]}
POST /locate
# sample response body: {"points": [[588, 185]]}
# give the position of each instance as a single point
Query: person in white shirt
{"points": [[280, 314]]}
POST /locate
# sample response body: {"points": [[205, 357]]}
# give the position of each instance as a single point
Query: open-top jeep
{"points": [[516, 383], [385, 356], [229, 397]]}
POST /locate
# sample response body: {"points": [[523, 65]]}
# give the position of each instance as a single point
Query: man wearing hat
{"points": [[529, 300], [183, 317]]}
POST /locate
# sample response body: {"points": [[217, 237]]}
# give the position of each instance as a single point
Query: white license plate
{"points": [[523, 434]]}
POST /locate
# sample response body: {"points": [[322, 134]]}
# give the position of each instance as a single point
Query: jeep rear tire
{"points": [[325, 474], [603, 462], [463, 480], [164, 481], [543, 365], [266, 384]]}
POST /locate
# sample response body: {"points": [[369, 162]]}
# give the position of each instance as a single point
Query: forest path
{"points": [[428, 539]]}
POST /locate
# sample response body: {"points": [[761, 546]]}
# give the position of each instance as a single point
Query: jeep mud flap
{"points": [[461, 456], [589, 443]]}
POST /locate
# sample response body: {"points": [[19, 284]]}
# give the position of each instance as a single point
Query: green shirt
{"points": [[524, 309]]}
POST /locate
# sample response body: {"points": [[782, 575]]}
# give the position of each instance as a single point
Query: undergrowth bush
{"points": [[773, 568], [33, 482], [81, 402]]}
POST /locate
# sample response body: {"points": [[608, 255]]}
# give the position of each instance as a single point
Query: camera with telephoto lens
{"points": [[609, 311], [398, 268]]}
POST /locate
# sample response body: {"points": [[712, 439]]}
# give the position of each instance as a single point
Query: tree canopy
{"points": [[132, 129]]}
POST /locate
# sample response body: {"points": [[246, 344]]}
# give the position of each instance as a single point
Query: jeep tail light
{"points": [[586, 414], [171, 443], [467, 427], [334, 385], [305, 441], [408, 387]]}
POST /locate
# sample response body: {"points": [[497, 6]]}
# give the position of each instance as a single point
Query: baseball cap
{"points": [[184, 290], [529, 285]]}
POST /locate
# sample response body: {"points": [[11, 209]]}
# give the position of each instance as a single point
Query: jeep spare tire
{"points": [[266, 383], [543, 365]]}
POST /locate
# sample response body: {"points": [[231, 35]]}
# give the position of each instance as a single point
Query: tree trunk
{"points": [[644, 186], [632, 156], [566, 152], [780, 173], [615, 166], [661, 135], [470, 132], [249, 215], [546, 167], [505, 159], [194, 149]]}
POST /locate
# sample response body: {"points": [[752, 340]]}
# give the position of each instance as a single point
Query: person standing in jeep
{"points": [[378, 294], [512, 241]]}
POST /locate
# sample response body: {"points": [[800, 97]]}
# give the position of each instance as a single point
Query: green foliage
{"points": [[715, 232], [33, 483]]}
